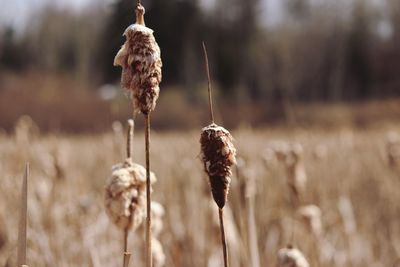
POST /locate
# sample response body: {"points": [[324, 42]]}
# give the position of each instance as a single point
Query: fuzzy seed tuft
{"points": [[291, 257], [125, 196], [140, 59]]}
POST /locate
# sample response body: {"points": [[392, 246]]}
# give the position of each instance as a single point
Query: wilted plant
{"points": [[125, 194], [296, 174], [311, 216], [218, 155], [291, 158], [291, 257], [140, 59], [157, 211]]}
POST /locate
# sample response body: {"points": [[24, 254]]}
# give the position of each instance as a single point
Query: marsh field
{"points": [[309, 90], [353, 177]]}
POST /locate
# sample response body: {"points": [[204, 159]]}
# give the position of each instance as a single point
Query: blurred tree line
{"points": [[316, 54]]}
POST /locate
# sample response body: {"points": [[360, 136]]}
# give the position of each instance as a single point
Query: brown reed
{"points": [[218, 155], [140, 59], [125, 194]]}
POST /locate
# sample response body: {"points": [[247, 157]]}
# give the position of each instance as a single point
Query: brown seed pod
{"points": [[125, 196], [218, 155], [140, 59]]}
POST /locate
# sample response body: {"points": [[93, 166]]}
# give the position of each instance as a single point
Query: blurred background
{"points": [[272, 62], [310, 89]]}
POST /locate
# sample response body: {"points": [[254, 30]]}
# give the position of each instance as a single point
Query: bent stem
{"points": [[223, 240], [149, 258]]}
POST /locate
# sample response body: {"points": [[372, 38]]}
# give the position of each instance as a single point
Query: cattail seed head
{"points": [[157, 253], [218, 155], [125, 196], [296, 173], [157, 212], [291, 257], [311, 215], [140, 59]]}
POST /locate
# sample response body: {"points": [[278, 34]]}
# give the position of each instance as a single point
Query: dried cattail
{"points": [[269, 158], [140, 59], [25, 129], [157, 253], [311, 215], [296, 174], [291, 257], [157, 211], [218, 155], [281, 151], [347, 213], [393, 149], [125, 197]]}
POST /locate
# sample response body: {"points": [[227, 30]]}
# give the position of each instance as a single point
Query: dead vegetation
{"points": [[350, 177]]}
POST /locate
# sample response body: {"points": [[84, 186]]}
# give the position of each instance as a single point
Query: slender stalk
{"points": [[221, 213], [127, 255], [208, 83], [254, 255], [149, 257], [139, 13], [129, 139], [21, 255], [223, 240]]}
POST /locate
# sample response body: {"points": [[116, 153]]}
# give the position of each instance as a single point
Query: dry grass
{"points": [[348, 179]]}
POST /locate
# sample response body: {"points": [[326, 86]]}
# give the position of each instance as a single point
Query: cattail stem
{"points": [[223, 240], [127, 255], [140, 13], [149, 257], [208, 82], [129, 139], [254, 254], [21, 256]]}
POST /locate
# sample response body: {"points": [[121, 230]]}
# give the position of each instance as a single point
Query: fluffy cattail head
{"points": [[218, 155], [157, 253], [157, 212], [291, 257], [140, 59], [311, 215], [125, 196]]}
